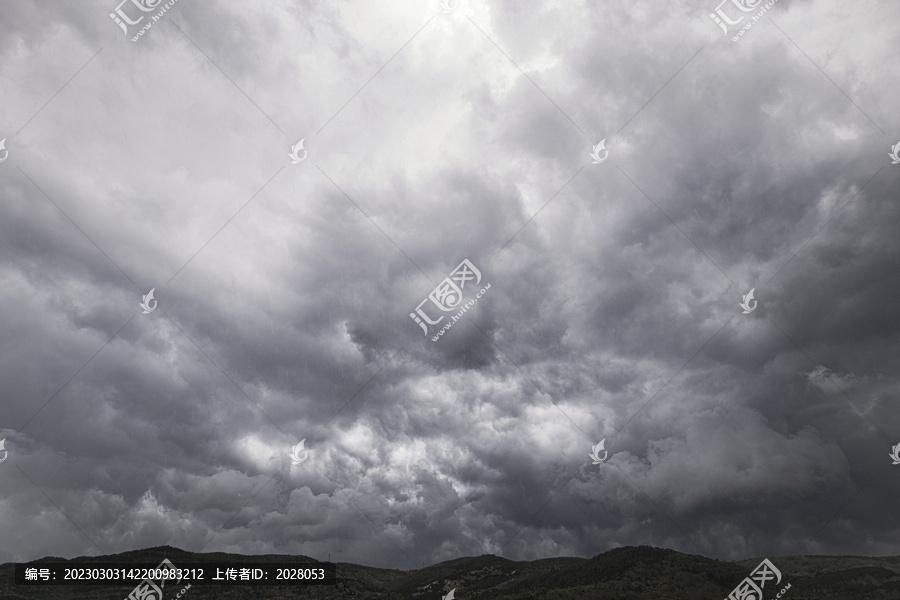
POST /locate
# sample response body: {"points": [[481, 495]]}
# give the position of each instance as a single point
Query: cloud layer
{"points": [[285, 291]]}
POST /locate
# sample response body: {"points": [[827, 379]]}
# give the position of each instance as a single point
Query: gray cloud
{"points": [[285, 290]]}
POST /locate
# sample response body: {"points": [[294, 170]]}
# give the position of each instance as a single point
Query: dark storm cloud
{"points": [[284, 290]]}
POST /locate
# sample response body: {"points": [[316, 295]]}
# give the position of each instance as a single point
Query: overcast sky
{"points": [[284, 291]]}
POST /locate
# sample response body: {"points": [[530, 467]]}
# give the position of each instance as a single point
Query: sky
{"points": [[601, 301]]}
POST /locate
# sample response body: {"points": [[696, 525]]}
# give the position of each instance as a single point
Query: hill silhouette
{"points": [[629, 573]]}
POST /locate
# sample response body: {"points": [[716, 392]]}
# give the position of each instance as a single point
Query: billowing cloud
{"points": [[285, 290]]}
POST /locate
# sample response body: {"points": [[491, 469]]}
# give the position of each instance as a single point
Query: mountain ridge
{"points": [[626, 573]]}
